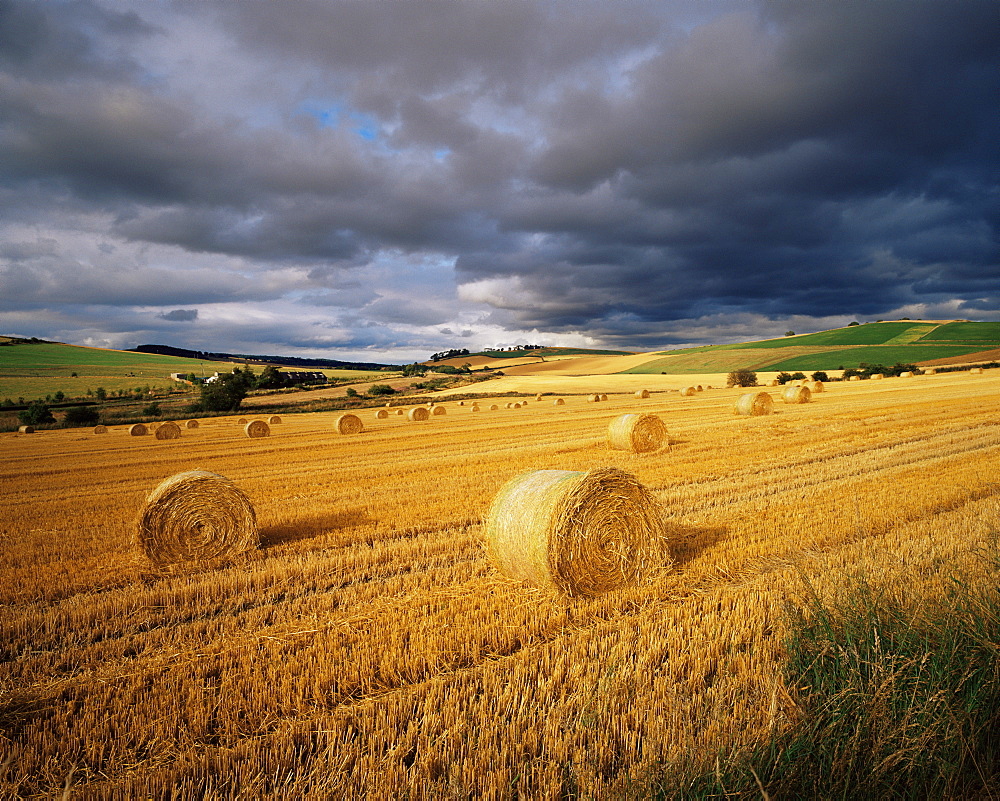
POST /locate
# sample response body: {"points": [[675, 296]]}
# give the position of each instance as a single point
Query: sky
{"points": [[380, 180]]}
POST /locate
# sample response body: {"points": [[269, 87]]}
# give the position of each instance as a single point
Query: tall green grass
{"points": [[900, 699]]}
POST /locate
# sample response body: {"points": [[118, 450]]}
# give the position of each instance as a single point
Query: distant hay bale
{"points": [[814, 386], [796, 395], [930, 371], [577, 533], [976, 371], [273, 419], [593, 398], [418, 414], [558, 402], [687, 392], [854, 378], [137, 430], [517, 405], [774, 382], [196, 516], [400, 412], [538, 397], [438, 411], [101, 429], [461, 403], [381, 414], [475, 409], [168, 430], [191, 424], [906, 374], [604, 397], [349, 424], [876, 377], [754, 404], [642, 393], [256, 429], [638, 433], [494, 407], [699, 388], [25, 429], [243, 421]]}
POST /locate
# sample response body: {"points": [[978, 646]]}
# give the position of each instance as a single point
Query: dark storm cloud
{"points": [[586, 167], [180, 315]]}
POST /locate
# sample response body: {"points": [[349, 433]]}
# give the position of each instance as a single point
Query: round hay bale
{"points": [[256, 429], [699, 388], [754, 404], [930, 371], [976, 371], [273, 419], [642, 393], [906, 374], [493, 407], [137, 430], [516, 405], [593, 398], [814, 386], [687, 392], [876, 377], [381, 414], [418, 414], [25, 429], [638, 433], [558, 402], [191, 424], [243, 421], [604, 397], [796, 395], [538, 397], [101, 429], [475, 409], [349, 424], [168, 430], [854, 378], [774, 382], [461, 403], [196, 516], [437, 411], [578, 533]]}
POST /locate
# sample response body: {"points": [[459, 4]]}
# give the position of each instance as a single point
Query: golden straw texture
{"points": [[349, 424], [754, 404], [639, 433], [796, 395], [576, 533], [257, 428], [168, 430], [137, 430], [419, 413], [196, 516]]}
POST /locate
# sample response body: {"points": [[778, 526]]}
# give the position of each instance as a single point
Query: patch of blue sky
{"points": [[334, 115]]}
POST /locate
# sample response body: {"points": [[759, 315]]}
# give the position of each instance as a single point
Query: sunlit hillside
{"points": [[369, 649]]}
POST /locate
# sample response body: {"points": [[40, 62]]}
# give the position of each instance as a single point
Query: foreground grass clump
{"points": [[899, 695]]}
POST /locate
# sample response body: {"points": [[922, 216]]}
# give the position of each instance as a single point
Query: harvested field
{"points": [[369, 649]]}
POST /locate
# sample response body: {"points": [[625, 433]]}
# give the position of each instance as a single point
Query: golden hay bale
{"points": [[578, 533], [26, 429], [418, 413], [196, 516], [876, 377], [168, 430], [796, 395], [400, 412], [930, 371], [493, 407], [558, 402], [906, 374], [976, 371], [538, 397], [258, 428], [594, 398], [516, 405], [439, 410], [273, 419], [604, 397], [381, 414], [101, 429], [687, 392], [243, 421], [642, 393], [639, 433], [348, 424], [754, 404], [774, 382], [191, 424], [699, 388], [814, 386], [854, 378], [474, 409], [137, 430]]}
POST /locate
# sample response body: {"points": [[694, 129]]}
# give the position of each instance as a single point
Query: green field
{"points": [[909, 342], [33, 370]]}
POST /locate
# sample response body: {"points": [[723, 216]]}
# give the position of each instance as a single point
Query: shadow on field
{"points": [[686, 542], [306, 526]]}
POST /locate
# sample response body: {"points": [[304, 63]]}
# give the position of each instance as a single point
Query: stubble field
{"points": [[369, 649]]}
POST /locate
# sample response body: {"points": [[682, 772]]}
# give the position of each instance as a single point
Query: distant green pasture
{"points": [[886, 354], [978, 333]]}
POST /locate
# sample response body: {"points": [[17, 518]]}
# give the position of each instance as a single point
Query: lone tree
{"points": [[741, 378]]}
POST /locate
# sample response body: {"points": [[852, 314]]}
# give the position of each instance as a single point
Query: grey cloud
{"points": [[180, 315]]}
